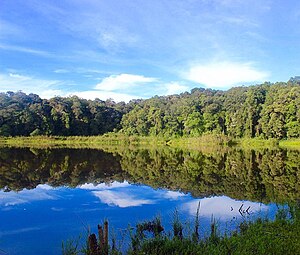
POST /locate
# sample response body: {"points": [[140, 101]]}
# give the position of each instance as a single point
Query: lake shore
{"points": [[116, 139], [261, 236]]}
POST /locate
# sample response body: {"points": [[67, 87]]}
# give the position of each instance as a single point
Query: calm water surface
{"points": [[52, 195]]}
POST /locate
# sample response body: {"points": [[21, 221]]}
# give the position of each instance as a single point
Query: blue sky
{"points": [[125, 49]]}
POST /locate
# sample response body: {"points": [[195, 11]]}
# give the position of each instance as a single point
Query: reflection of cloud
{"points": [[120, 199], [173, 195], [17, 231], [221, 207], [57, 209], [104, 186], [44, 186], [25, 196]]}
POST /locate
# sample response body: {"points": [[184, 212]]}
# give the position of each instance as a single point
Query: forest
{"points": [[268, 110]]}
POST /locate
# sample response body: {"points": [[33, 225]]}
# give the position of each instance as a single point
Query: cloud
{"points": [[123, 81], [44, 187], [225, 74], [24, 196], [175, 88], [221, 207], [8, 29], [103, 95], [26, 50], [173, 195], [115, 37], [117, 87], [18, 231], [44, 88], [120, 199], [111, 195], [61, 71], [104, 186]]}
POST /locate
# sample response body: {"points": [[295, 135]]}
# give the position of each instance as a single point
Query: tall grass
{"points": [[290, 144], [262, 236], [257, 143]]}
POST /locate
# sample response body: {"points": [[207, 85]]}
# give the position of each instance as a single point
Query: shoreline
{"points": [[115, 139]]}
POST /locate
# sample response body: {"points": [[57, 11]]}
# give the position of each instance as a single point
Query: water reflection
{"points": [[224, 208], [263, 176], [51, 215], [117, 194], [52, 195]]}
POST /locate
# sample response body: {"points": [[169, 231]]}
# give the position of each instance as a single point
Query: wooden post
{"points": [[106, 237], [101, 238], [93, 246]]}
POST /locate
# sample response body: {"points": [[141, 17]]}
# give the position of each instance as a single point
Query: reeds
{"points": [[259, 237]]}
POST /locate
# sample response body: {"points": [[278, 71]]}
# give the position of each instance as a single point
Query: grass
{"points": [[257, 143], [209, 140], [290, 144], [206, 141], [79, 141], [262, 236]]}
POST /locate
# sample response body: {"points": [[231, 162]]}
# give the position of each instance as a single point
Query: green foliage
{"points": [[24, 115], [70, 247], [266, 110]]}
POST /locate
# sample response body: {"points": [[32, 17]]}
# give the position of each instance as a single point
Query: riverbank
{"points": [[116, 139], [80, 141]]}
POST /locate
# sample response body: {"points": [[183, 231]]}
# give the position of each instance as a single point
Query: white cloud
{"points": [[175, 88], [221, 207], [120, 199], [103, 95], [225, 74], [173, 195], [17, 231], [24, 196], [104, 186], [115, 38], [8, 29], [26, 50], [61, 71], [44, 187], [27, 84], [123, 81]]}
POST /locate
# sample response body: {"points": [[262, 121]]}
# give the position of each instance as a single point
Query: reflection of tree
{"points": [[253, 175], [238, 174], [21, 168]]}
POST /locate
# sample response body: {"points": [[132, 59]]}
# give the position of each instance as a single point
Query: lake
{"points": [[53, 195]]}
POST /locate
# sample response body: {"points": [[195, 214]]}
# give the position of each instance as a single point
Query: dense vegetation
{"points": [[266, 111], [24, 115]]}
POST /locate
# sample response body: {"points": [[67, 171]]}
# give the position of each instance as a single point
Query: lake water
{"points": [[51, 195]]}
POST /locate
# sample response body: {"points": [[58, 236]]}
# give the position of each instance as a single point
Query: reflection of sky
{"points": [[42, 192], [223, 207], [51, 215]]}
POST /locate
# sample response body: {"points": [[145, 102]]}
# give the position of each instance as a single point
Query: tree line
{"points": [[268, 110]]}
